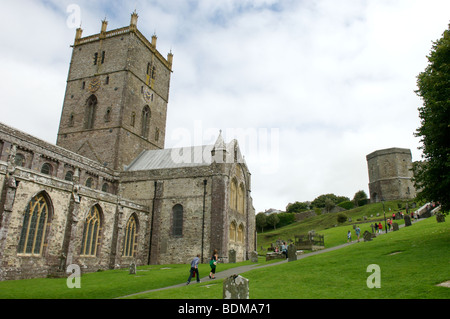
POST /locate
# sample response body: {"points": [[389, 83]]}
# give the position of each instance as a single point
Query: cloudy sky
{"points": [[308, 87]]}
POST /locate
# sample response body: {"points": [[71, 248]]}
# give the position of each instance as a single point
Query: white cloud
{"points": [[336, 78]]}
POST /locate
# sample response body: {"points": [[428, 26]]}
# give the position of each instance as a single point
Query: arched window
{"points": [[69, 176], [177, 212], [133, 119], [19, 160], [34, 227], [241, 199], [105, 187], [91, 232], [233, 194], [91, 106], [46, 169], [233, 231], [130, 240], [89, 182], [240, 233], [145, 121]]}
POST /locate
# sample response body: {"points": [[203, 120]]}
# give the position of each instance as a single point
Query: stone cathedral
{"points": [[109, 194]]}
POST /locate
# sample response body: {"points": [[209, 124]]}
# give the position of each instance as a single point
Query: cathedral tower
{"points": [[115, 104]]}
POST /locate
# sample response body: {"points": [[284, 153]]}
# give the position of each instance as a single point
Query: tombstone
{"points": [[354, 226], [133, 269], [378, 214], [236, 287], [373, 228], [367, 236], [440, 218], [292, 253], [394, 226], [254, 256], [349, 219], [407, 220], [365, 217], [232, 256]]}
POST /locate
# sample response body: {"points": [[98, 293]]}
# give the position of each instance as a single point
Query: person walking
{"points": [[358, 232], [213, 264], [380, 227], [194, 270], [349, 236]]}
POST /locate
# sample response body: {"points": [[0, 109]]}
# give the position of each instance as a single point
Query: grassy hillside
{"points": [[325, 224], [412, 261]]}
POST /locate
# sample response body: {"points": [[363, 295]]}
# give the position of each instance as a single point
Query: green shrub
{"points": [[348, 204], [341, 218]]}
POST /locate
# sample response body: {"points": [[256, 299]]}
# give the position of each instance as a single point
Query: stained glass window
{"points": [[91, 233], [34, 226], [129, 243]]}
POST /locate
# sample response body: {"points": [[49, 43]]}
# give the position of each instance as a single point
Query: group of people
{"points": [[193, 272]]}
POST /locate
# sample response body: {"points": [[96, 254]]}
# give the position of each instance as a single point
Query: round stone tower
{"points": [[390, 174]]}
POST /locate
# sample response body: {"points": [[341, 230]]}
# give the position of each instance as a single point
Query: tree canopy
{"points": [[432, 176]]}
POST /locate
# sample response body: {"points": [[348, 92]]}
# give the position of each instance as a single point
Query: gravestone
{"points": [[292, 252], [367, 236], [407, 220], [232, 256], [394, 226], [254, 256], [133, 269], [236, 287], [440, 218]]}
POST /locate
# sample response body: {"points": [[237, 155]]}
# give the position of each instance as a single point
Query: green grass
{"points": [[325, 224], [412, 261], [420, 261]]}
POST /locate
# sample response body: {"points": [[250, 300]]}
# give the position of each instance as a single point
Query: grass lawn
{"points": [[412, 261]]}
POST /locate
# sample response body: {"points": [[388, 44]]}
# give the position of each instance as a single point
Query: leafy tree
{"points": [[329, 204], [360, 198], [296, 207], [273, 220], [432, 176], [261, 221], [320, 200]]}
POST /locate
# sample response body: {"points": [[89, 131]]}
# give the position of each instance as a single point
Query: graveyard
{"points": [[413, 263]]}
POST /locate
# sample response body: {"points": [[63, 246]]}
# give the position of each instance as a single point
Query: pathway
{"points": [[243, 269]]}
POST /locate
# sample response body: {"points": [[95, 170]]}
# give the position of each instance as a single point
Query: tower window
{"points": [[107, 80], [103, 57], [95, 58], [91, 105], [145, 121], [83, 84]]}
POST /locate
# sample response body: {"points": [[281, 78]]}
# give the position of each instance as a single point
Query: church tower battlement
{"points": [[115, 105]]}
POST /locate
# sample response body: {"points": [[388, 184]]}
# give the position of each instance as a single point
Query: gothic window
{"points": [[130, 240], [19, 160], [177, 212], [241, 199], [233, 194], [91, 232], [34, 227], [240, 233], [91, 106], [89, 182], [46, 169], [105, 187], [69, 176], [233, 231], [145, 121]]}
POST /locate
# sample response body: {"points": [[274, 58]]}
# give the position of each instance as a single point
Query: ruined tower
{"points": [[390, 174], [116, 98]]}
